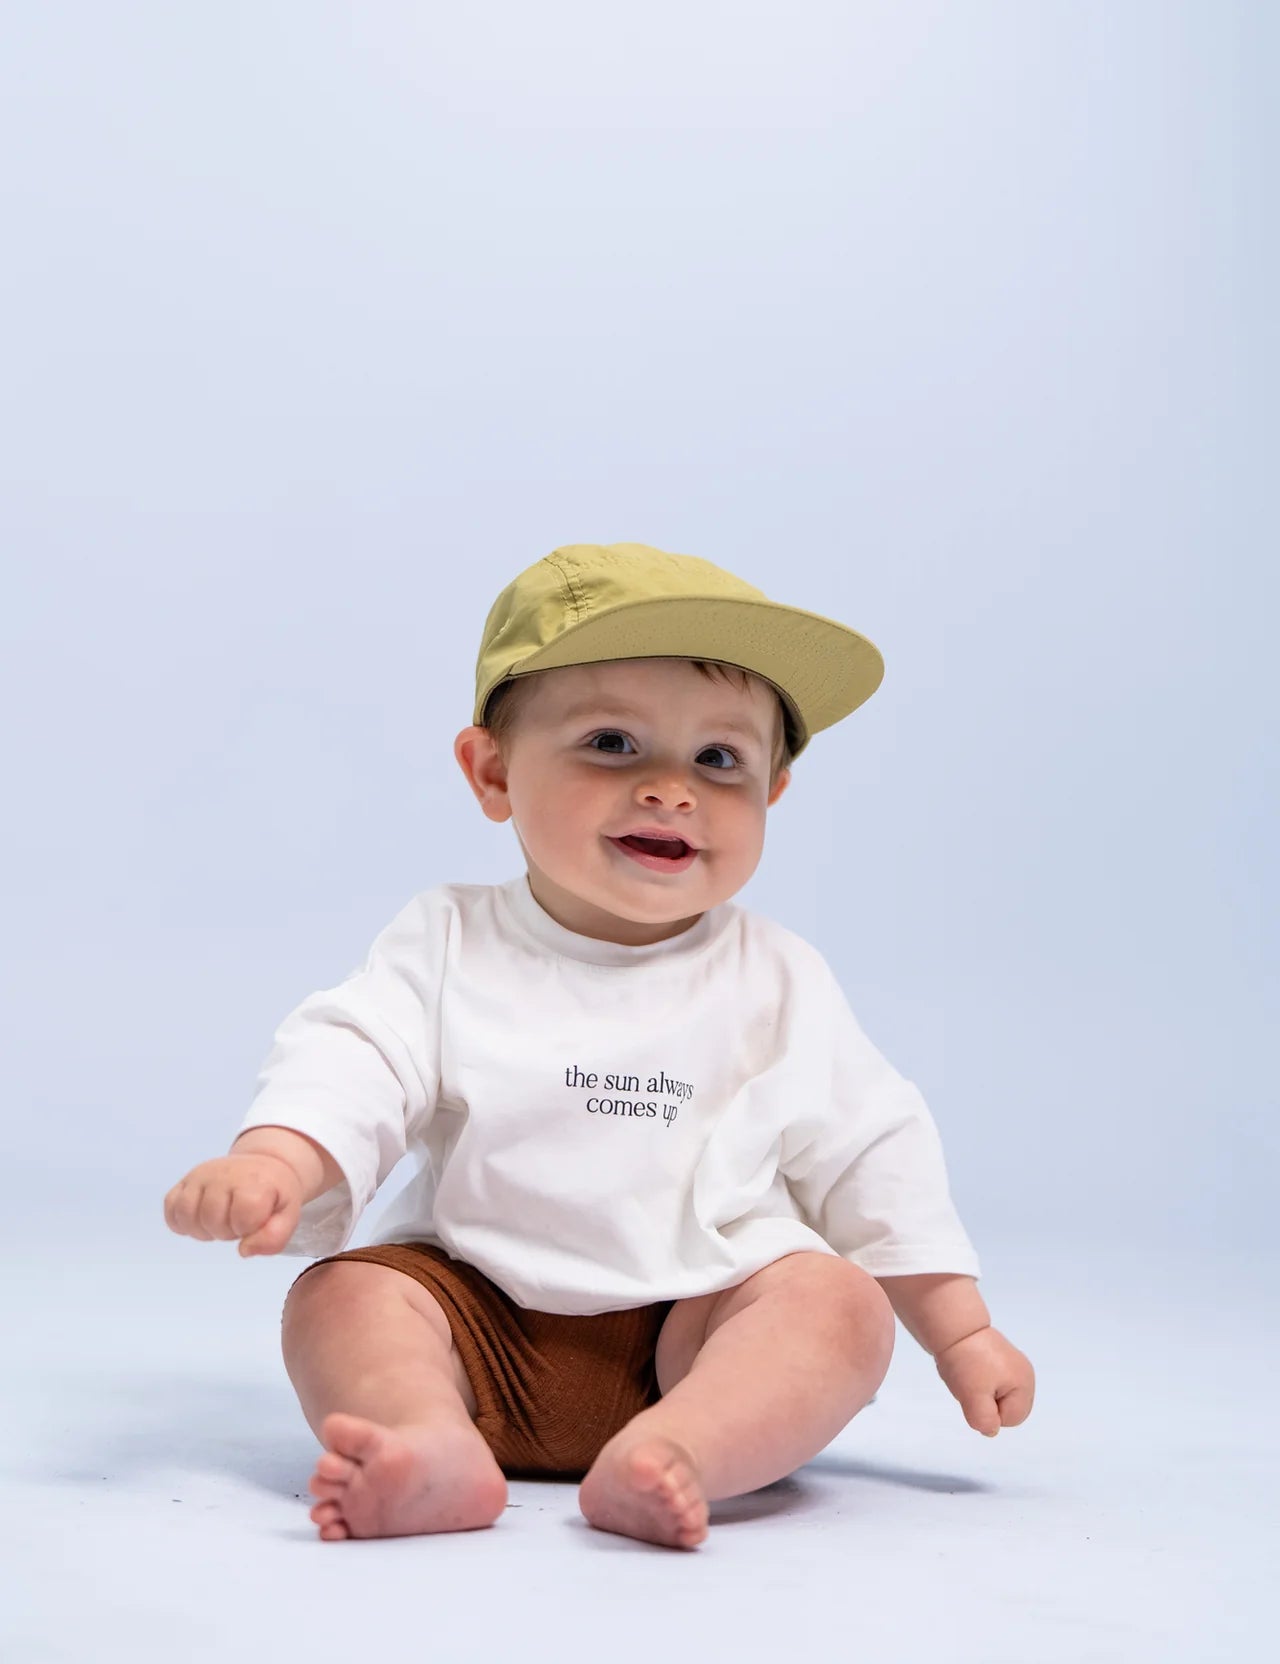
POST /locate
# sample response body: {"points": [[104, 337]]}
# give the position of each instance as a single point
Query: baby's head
{"points": [[621, 689], [580, 756]]}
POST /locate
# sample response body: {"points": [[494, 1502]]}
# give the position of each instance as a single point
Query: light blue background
{"points": [[953, 322], [950, 323]]}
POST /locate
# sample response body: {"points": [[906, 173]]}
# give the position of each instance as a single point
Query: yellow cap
{"points": [[588, 603]]}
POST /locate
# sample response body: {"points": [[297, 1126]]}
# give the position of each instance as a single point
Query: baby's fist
{"points": [[255, 1198], [991, 1380]]}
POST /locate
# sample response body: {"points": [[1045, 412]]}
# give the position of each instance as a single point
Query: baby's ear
{"points": [[481, 762], [779, 786]]}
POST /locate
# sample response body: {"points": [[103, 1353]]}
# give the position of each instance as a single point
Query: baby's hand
{"points": [[255, 1197], [993, 1382]]}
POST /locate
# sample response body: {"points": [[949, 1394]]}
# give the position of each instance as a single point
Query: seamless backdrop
{"points": [[954, 323]]}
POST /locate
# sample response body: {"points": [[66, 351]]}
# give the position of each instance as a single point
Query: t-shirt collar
{"points": [[550, 933]]}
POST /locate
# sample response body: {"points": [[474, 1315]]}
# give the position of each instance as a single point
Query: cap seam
{"points": [[567, 584]]}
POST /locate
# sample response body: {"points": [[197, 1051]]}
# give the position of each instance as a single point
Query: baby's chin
{"points": [[638, 913], [646, 903]]}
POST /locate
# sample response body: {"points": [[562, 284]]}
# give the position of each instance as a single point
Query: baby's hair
{"points": [[503, 707]]}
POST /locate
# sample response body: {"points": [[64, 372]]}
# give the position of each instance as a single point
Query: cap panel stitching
{"points": [[572, 596]]}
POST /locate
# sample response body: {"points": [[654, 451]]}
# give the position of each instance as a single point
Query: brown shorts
{"points": [[551, 1391]]}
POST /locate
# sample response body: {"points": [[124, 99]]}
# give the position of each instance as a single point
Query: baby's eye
{"points": [[613, 751], [608, 734]]}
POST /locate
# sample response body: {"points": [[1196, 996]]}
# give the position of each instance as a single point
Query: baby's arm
{"points": [[866, 1165], [991, 1380], [937, 1308], [255, 1192]]}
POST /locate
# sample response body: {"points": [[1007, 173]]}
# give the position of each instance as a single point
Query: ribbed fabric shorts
{"points": [[551, 1391]]}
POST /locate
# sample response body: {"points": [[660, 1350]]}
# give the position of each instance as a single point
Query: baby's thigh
{"points": [[822, 1295], [680, 1339]]}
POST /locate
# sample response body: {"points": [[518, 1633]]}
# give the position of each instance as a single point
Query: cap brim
{"points": [[823, 670]]}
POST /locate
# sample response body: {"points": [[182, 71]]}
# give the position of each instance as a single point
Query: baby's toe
{"points": [[328, 1515], [335, 1467], [683, 1498], [355, 1437]]}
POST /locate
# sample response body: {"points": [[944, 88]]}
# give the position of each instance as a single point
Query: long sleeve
{"points": [[356, 1067], [867, 1168]]}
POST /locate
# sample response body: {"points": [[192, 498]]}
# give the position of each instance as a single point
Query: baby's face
{"points": [[603, 749]]}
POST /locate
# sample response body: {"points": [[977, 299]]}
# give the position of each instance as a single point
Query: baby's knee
{"points": [[851, 1302], [319, 1291]]}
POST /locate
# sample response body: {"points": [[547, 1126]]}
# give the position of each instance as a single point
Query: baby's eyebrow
{"points": [[601, 709]]}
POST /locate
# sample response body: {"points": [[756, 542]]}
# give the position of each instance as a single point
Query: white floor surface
{"points": [[156, 1463]]}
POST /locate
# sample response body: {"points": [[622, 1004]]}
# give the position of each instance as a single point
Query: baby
{"points": [[669, 1196]]}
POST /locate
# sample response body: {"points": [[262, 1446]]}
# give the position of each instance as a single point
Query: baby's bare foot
{"points": [[376, 1481], [647, 1487]]}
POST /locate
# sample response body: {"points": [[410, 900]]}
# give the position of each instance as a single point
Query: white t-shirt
{"points": [[600, 1126]]}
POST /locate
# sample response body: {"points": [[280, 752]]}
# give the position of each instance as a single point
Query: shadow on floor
{"points": [[847, 1468], [252, 1431]]}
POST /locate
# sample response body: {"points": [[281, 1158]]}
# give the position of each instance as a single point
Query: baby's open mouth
{"points": [[671, 847]]}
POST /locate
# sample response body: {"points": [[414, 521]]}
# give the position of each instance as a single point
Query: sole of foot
{"points": [[375, 1481], [650, 1490]]}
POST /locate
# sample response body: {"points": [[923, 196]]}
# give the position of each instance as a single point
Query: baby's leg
{"points": [[371, 1358], [756, 1380]]}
